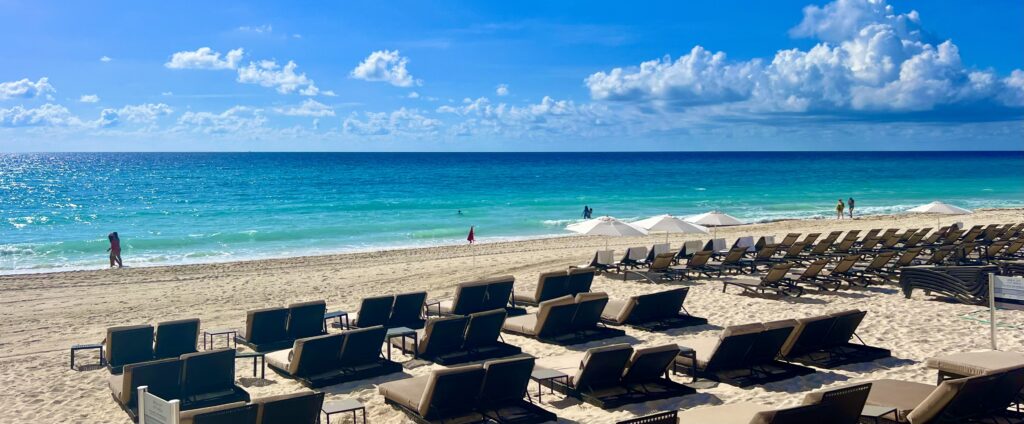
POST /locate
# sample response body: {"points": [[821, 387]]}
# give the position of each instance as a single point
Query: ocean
{"points": [[173, 208]]}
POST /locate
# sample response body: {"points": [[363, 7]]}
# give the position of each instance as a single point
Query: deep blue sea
{"points": [[170, 208]]}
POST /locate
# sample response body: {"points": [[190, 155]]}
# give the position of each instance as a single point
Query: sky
{"points": [[511, 76]]}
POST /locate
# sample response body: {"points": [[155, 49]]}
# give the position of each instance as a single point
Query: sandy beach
{"points": [[42, 315]]}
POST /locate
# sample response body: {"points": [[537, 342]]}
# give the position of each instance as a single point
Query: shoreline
{"points": [[501, 241]]}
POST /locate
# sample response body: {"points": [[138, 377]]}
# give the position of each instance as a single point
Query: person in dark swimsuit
{"points": [[115, 250]]}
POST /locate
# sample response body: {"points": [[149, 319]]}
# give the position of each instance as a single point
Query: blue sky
{"points": [[496, 76]]}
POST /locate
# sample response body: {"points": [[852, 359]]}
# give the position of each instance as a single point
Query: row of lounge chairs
{"points": [[137, 343], [460, 338], [335, 358]]}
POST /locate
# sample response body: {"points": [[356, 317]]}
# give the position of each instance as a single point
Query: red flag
{"points": [[471, 238]]}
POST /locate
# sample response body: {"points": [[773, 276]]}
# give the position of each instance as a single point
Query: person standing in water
{"points": [[115, 250], [839, 209], [849, 204], [586, 211]]}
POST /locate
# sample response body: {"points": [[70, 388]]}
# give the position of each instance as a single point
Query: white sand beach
{"points": [[42, 315]]}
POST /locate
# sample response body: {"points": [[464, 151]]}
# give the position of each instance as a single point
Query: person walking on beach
{"points": [[115, 250], [586, 212], [839, 209], [849, 204]]}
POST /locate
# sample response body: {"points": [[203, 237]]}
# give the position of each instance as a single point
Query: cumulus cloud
{"points": [[549, 116], [238, 119], [205, 58], [45, 115], [870, 60], [258, 29], [89, 98], [105, 59], [146, 113], [268, 73], [402, 122], [25, 89], [413, 95], [309, 107], [501, 90], [387, 66]]}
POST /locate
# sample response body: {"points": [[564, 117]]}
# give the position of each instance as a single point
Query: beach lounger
{"points": [[550, 285], [793, 253], [939, 255], [687, 250], [843, 271], [373, 311], [915, 239], [615, 375], [127, 345], [633, 257], [873, 272], [163, 377], [459, 339], [306, 319], [970, 364], [661, 268], [699, 264], [652, 312], [812, 275], [157, 411], [565, 320], [731, 261], [965, 284], [742, 355], [483, 336], [656, 250], [764, 241], [335, 358], [984, 397], [407, 310], [818, 251], [501, 394], [445, 395], [208, 379], [842, 248], [292, 408], [842, 405], [266, 330], [604, 260], [773, 281], [991, 252], [763, 257], [468, 298], [825, 341], [176, 338], [788, 240], [809, 239], [580, 280], [851, 235], [745, 242], [717, 247]]}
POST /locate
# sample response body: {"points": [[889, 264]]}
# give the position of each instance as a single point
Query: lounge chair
{"points": [[717, 247], [176, 338], [985, 397], [906, 258], [266, 330], [580, 280], [661, 268], [809, 239], [688, 249], [634, 257], [615, 375], [837, 406], [774, 281], [842, 248], [445, 395], [306, 319], [335, 358], [842, 271], [161, 376], [407, 310], [812, 275], [793, 253], [819, 250], [439, 340], [939, 255], [873, 272], [699, 264], [293, 408], [742, 355], [732, 261], [745, 242], [208, 379], [824, 341], [652, 312], [871, 234], [604, 260], [764, 256], [468, 298], [127, 345], [915, 239], [373, 311], [227, 413], [788, 240], [565, 320], [501, 394], [851, 235], [992, 252], [550, 285], [483, 336], [764, 241], [656, 250], [965, 284]]}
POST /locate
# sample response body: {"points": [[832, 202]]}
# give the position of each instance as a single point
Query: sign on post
{"points": [[154, 410], [1003, 289]]}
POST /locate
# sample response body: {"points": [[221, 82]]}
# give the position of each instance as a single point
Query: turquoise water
{"points": [[169, 208]]}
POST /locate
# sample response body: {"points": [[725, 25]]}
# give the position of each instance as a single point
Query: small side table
{"points": [[97, 346], [345, 405], [877, 412], [550, 376], [256, 357], [230, 333], [341, 316], [692, 355], [403, 332]]}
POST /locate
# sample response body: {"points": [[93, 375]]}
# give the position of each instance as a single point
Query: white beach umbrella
{"points": [[670, 225], [938, 208], [605, 226], [714, 219]]}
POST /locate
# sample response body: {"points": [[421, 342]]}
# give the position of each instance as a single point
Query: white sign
{"points": [[154, 410], [1008, 289]]}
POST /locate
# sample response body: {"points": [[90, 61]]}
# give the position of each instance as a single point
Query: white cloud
{"points": [[870, 60], [309, 107], [89, 98], [258, 29], [501, 90], [105, 59], [413, 95], [144, 114], [547, 117], [387, 66], [46, 115], [268, 73], [328, 93], [25, 88], [205, 58], [402, 122], [167, 93], [238, 119]]}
